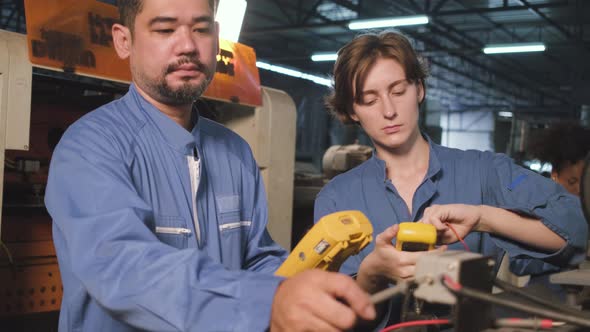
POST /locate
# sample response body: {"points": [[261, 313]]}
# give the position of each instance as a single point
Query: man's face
{"points": [[173, 49]]}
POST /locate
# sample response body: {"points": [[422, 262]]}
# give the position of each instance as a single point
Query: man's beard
{"points": [[186, 93], [182, 95]]}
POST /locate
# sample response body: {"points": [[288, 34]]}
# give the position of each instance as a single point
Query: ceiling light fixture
{"points": [[514, 48], [324, 57], [294, 73], [230, 15], [388, 22]]}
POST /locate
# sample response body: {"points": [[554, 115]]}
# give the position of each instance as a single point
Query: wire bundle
{"points": [[553, 314]]}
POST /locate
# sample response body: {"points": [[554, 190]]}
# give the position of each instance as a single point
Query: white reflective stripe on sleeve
{"points": [[172, 230], [233, 225]]}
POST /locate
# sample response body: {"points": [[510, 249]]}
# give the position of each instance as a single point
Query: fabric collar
{"points": [[177, 137]]}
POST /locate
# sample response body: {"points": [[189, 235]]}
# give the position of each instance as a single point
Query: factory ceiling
{"points": [[555, 82]]}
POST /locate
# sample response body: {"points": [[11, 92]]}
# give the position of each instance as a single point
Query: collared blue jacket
{"points": [[466, 177], [117, 176]]}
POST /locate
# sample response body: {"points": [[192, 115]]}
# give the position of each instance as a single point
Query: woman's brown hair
{"points": [[356, 59]]}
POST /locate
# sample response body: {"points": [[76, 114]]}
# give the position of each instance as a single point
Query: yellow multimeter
{"points": [[415, 236], [329, 243]]}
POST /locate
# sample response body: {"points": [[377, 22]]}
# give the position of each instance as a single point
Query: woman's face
{"points": [[388, 111], [570, 176]]}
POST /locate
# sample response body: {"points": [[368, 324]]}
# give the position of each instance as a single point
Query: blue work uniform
{"points": [[464, 177], [135, 251]]}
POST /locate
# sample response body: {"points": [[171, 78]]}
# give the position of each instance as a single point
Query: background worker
{"points": [[564, 146]]}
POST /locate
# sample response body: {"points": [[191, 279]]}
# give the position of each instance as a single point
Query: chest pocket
{"points": [[173, 231], [233, 231], [229, 208]]}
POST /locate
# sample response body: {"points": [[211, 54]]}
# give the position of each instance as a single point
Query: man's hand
{"points": [[316, 300], [462, 217]]}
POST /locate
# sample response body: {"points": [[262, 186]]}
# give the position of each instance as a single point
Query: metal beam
{"points": [[528, 76], [313, 9], [438, 6], [516, 37], [6, 23], [501, 74], [540, 14], [514, 88], [294, 28], [282, 9], [259, 13], [346, 4], [458, 85], [568, 35], [506, 91], [486, 10]]}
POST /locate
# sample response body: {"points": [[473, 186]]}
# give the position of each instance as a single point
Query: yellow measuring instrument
{"points": [[415, 236], [329, 243]]}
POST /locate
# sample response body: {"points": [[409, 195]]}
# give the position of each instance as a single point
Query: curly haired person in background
{"points": [[564, 146]]}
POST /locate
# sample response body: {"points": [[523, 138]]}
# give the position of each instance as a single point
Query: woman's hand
{"points": [[385, 263], [462, 217]]}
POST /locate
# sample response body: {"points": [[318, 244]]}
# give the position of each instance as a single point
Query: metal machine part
{"points": [[329, 243], [468, 269], [340, 158], [270, 131], [463, 280]]}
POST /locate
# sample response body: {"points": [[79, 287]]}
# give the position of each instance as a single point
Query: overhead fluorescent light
{"points": [[505, 114], [514, 48], [324, 57], [294, 73], [230, 14], [388, 22]]}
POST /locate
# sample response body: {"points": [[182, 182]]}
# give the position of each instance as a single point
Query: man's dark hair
{"points": [[128, 10]]}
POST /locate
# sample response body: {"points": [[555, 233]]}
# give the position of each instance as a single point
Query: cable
{"points": [[390, 292], [417, 323], [458, 237], [459, 289], [533, 323], [517, 291], [7, 251]]}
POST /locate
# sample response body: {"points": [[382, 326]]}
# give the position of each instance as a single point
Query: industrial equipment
{"points": [[329, 243], [415, 236], [340, 158], [462, 281]]}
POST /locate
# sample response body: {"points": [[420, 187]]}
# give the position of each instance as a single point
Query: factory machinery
{"points": [[461, 281]]}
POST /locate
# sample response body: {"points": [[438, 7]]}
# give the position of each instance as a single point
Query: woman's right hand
{"points": [[385, 263]]}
